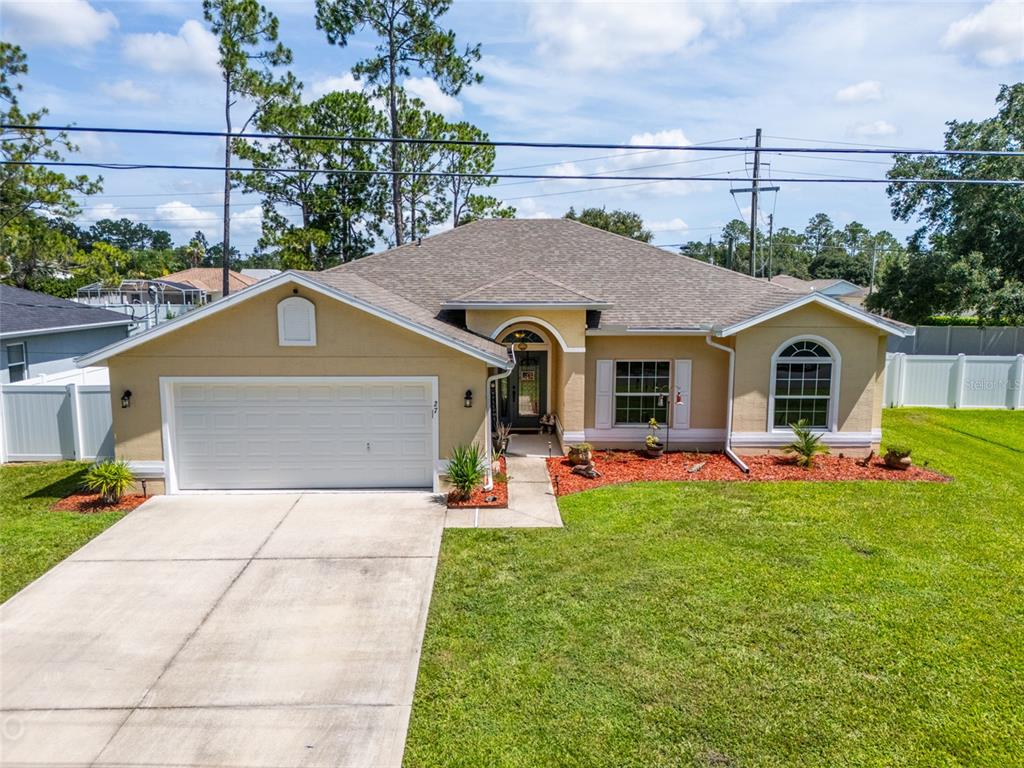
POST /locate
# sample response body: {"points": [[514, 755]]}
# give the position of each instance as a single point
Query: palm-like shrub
{"points": [[806, 445], [110, 479], [466, 469]]}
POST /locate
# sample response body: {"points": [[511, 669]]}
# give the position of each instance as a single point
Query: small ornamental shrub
{"points": [[110, 479], [806, 445], [898, 451], [466, 470]]}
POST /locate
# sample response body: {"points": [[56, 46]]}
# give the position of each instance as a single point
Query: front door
{"points": [[523, 395]]}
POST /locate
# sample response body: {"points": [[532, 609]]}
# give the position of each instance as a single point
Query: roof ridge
{"points": [[527, 271]]}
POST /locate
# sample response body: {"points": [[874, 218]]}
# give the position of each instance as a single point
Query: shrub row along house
{"points": [[368, 374]]}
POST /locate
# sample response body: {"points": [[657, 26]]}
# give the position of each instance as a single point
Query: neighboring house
{"points": [[368, 374], [844, 290], [42, 334], [211, 280], [260, 274], [139, 291]]}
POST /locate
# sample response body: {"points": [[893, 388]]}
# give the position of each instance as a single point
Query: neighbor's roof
{"points": [[645, 286], [25, 312], [260, 274], [211, 279]]}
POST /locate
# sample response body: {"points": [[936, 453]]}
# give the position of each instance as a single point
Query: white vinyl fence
{"points": [[954, 381], [45, 422]]}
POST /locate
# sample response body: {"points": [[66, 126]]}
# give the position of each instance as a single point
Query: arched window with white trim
{"points": [[804, 384]]}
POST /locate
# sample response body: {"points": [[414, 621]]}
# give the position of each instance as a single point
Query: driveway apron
{"points": [[225, 630]]}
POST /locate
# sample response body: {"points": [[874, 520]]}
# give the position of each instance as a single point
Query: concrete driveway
{"points": [[227, 630]]}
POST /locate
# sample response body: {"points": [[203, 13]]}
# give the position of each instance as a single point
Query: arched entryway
{"points": [[523, 398]]}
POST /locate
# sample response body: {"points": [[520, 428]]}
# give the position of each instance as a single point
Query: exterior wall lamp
{"points": [[126, 398], [468, 399]]}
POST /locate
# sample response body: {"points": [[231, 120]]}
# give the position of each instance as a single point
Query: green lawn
{"points": [[33, 538], [745, 624]]}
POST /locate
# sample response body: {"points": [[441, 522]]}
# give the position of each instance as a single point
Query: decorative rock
{"points": [[588, 471]]}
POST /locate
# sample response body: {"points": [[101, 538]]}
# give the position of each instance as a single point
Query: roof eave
{"points": [[100, 355], [65, 328], [815, 297]]}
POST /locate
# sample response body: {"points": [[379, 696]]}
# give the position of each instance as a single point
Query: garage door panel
{"points": [[255, 434]]}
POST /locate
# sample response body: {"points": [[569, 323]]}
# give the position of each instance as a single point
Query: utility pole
{"points": [[753, 200], [874, 261], [711, 250], [771, 231]]}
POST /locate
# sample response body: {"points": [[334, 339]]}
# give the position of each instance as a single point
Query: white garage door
{"points": [[257, 433]]}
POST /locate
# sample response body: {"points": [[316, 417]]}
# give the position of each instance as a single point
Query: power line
{"points": [[550, 177], [852, 149]]}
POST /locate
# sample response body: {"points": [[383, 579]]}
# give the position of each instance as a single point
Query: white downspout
{"points": [[728, 405], [489, 447]]}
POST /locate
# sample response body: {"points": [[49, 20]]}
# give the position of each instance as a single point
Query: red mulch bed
{"points": [[90, 502], [632, 466], [479, 498]]}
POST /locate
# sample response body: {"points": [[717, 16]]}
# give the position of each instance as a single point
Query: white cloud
{"points": [[94, 213], [188, 218], [128, 91], [431, 94], [873, 129], [866, 90], [675, 224], [995, 34], [589, 35], [327, 85], [192, 50], [73, 23], [601, 35]]}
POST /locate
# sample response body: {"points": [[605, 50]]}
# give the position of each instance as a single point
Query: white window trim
{"points": [[668, 393], [24, 359], [833, 404], [543, 324], [310, 308]]}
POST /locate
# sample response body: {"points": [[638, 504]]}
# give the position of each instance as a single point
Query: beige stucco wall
{"points": [[861, 347], [570, 323], [242, 341], [709, 373]]}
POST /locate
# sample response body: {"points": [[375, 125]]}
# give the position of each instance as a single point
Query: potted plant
{"points": [[806, 445], [581, 453], [652, 444], [897, 457], [110, 479], [466, 470]]}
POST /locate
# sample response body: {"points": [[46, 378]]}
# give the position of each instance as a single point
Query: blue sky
{"points": [[880, 73]]}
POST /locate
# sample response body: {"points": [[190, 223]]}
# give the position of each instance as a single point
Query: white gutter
{"points": [[489, 447], [728, 405]]}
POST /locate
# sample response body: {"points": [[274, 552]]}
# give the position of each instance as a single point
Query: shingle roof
{"points": [[793, 283], [524, 286], [374, 294], [24, 311], [646, 286], [211, 279]]}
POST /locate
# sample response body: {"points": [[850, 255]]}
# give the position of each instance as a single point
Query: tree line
{"points": [[335, 210]]}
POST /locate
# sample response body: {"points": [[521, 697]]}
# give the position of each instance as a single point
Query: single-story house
{"points": [[368, 374], [43, 334], [844, 290], [211, 280]]}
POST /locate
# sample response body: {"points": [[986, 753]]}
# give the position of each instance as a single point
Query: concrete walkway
{"points": [[225, 630], [531, 499]]}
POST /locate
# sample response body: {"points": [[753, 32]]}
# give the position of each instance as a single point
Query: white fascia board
{"points": [[64, 329], [525, 305], [814, 298], [268, 285]]}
